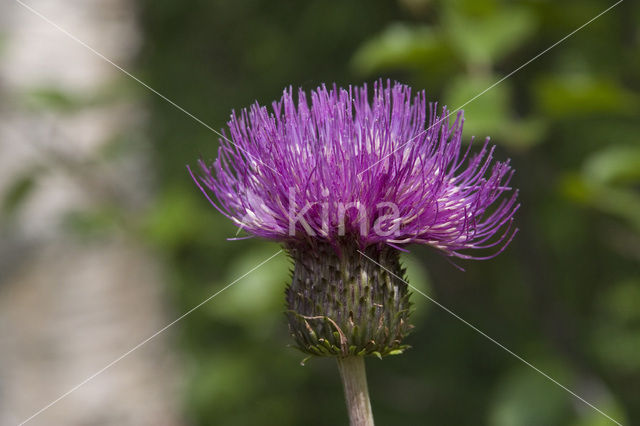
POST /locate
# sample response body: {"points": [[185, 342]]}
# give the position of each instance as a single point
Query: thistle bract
{"points": [[336, 172], [343, 304]]}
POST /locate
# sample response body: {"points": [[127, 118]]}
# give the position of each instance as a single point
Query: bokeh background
{"points": [[104, 239]]}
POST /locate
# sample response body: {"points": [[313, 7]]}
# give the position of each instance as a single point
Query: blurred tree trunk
{"points": [[77, 290]]}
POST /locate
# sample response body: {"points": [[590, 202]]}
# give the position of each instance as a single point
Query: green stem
{"points": [[354, 379]]}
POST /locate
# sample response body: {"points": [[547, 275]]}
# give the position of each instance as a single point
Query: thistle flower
{"points": [[342, 174], [374, 172]]}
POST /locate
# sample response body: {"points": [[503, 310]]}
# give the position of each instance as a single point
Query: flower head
{"points": [[339, 167], [343, 181]]}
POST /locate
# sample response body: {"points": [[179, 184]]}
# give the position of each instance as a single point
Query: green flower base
{"points": [[343, 304]]}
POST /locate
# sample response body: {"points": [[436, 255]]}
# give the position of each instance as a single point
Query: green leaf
{"points": [[575, 95], [402, 46], [616, 164], [486, 39], [487, 109], [485, 113]]}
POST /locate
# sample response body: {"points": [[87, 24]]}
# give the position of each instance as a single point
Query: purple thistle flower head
{"points": [[339, 167], [340, 172]]}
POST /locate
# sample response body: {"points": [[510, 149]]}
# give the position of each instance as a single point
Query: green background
{"points": [[565, 295]]}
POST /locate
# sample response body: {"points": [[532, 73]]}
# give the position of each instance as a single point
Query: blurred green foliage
{"points": [[565, 295]]}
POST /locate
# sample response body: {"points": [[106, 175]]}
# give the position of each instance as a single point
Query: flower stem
{"points": [[354, 379]]}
